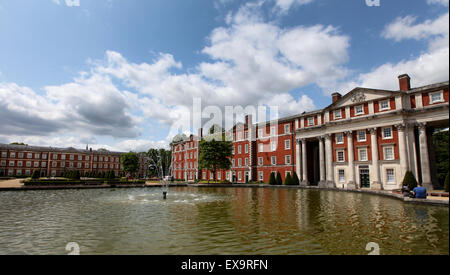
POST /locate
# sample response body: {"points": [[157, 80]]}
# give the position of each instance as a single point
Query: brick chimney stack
{"points": [[248, 119], [336, 97], [404, 82]]}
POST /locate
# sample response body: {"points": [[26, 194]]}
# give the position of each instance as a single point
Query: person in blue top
{"points": [[420, 192]]}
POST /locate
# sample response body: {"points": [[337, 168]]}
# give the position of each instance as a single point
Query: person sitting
{"points": [[406, 192], [420, 192]]}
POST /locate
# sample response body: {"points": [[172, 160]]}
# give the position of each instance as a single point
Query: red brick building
{"points": [[368, 138]]}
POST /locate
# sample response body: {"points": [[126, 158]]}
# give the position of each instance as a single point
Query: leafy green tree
{"points": [[409, 180], [130, 163], [295, 179], [272, 180], [288, 180], [18, 143], [441, 144], [215, 155], [35, 175], [279, 179], [160, 160]]}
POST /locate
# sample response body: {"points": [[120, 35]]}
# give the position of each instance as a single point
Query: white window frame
{"points": [[385, 108], [246, 148], [441, 97], [310, 121], [260, 161], [337, 156], [239, 149], [383, 133], [359, 154], [261, 176], [337, 140], [359, 137], [337, 112], [261, 148], [273, 131], [286, 158], [272, 160], [341, 175], [385, 154], [273, 146], [246, 161], [287, 128], [388, 179], [239, 162], [260, 133], [359, 113], [287, 144]]}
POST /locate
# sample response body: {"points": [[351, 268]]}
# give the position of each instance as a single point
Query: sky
{"points": [[123, 74]]}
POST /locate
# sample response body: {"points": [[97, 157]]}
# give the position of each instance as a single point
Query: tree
{"points": [[215, 155], [35, 175], [409, 180], [130, 163], [272, 180], [446, 183], [279, 179], [18, 143], [440, 142], [295, 179], [288, 180]]}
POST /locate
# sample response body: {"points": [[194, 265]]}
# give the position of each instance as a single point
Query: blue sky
{"points": [[120, 73]]}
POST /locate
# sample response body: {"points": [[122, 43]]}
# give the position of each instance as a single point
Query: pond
{"points": [[217, 221]]}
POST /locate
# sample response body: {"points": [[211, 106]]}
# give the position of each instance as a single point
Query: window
{"points": [[341, 175], [19, 163], [310, 121], [260, 161], [384, 105], [36, 164], [272, 131], [44, 156], [63, 157], [232, 151], [288, 159], [71, 165], [246, 148], [19, 172], [246, 135], [362, 136], [287, 129], [338, 114], [389, 153], [261, 148], [218, 175], [387, 133], [3, 163], [95, 158], [390, 175], [274, 160], [246, 161], [72, 157], [87, 157], [233, 162], [239, 175], [260, 133], [13, 155], [239, 136], [44, 164], [28, 163], [80, 157], [11, 163], [30, 155], [436, 97], [210, 175], [340, 156], [287, 144], [94, 166], [359, 110], [261, 176], [4, 154], [204, 175], [340, 138], [27, 172], [273, 146], [363, 155], [36, 156], [239, 149], [239, 162]]}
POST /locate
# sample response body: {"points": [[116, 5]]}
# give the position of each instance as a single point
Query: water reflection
{"points": [[217, 221]]}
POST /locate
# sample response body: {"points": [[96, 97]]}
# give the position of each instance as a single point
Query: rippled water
{"points": [[217, 221]]}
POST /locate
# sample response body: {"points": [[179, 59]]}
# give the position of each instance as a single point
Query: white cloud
{"points": [[69, 3], [285, 5], [439, 2]]}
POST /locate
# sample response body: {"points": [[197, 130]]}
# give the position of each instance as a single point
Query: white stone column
{"points": [[412, 152], [298, 160], [321, 160], [402, 151], [329, 160], [424, 157], [304, 163], [376, 184], [351, 161]]}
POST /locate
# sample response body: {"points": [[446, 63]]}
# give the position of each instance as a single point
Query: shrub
{"points": [[272, 180], [446, 183], [295, 180], [409, 180], [288, 180], [279, 179]]}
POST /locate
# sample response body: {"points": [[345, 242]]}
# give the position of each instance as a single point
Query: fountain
{"points": [[165, 181]]}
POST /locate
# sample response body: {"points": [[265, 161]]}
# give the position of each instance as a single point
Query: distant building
{"points": [[368, 138]]}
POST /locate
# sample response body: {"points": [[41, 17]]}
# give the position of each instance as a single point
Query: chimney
{"points": [[248, 119], [404, 82], [336, 97], [90, 149], [200, 133]]}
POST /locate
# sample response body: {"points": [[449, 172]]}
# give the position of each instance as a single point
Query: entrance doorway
{"points": [[312, 149], [364, 177]]}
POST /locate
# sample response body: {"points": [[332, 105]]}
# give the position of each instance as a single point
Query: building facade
{"points": [[20, 160], [368, 138]]}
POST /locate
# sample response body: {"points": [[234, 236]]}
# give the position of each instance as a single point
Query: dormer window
{"points": [[436, 97], [384, 105], [310, 121], [359, 110], [338, 114]]}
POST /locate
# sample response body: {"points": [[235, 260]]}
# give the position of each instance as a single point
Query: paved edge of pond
{"points": [[373, 192]]}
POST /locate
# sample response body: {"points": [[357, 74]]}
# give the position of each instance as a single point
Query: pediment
{"points": [[362, 95]]}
